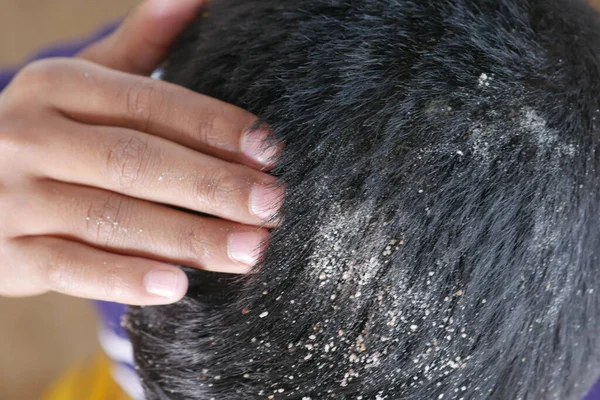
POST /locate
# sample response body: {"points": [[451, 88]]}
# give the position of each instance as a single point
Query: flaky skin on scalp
{"points": [[440, 234]]}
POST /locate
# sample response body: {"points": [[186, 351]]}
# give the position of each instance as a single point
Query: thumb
{"points": [[144, 38]]}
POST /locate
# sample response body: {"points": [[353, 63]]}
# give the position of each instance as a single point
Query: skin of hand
{"points": [[97, 160]]}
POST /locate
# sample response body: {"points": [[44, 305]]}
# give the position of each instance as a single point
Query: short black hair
{"points": [[440, 233]]}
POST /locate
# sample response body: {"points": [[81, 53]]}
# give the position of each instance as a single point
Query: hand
{"points": [[92, 152]]}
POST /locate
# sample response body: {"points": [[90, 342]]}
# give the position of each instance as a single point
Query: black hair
{"points": [[440, 229]]}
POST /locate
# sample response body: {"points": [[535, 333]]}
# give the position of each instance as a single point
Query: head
{"points": [[440, 230]]}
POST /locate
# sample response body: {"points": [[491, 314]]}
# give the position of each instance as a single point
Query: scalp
{"points": [[439, 235]]}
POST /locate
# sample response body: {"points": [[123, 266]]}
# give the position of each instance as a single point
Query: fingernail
{"points": [[244, 247], [255, 145], [265, 201], [161, 7], [167, 283]]}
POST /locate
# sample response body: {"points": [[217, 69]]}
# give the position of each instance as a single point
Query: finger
{"points": [[134, 227], [79, 270], [153, 169], [95, 95], [144, 38]]}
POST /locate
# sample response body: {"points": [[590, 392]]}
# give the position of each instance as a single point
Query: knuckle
{"points": [[138, 100], [104, 218], [114, 284], [32, 74], [206, 127], [11, 142], [22, 135], [213, 128], [23, 132], [214, 186], [62, 272], [128, 160], [193, 244], [39, 76]]}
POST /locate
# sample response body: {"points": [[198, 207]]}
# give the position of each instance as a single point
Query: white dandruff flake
{"points": [[484, 80]]}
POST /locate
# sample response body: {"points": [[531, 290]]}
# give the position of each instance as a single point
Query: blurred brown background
{"points": [[25, 25], [40, 337]]}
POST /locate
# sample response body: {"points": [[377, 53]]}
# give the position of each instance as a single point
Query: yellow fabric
{"points": [[87, 381]]}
